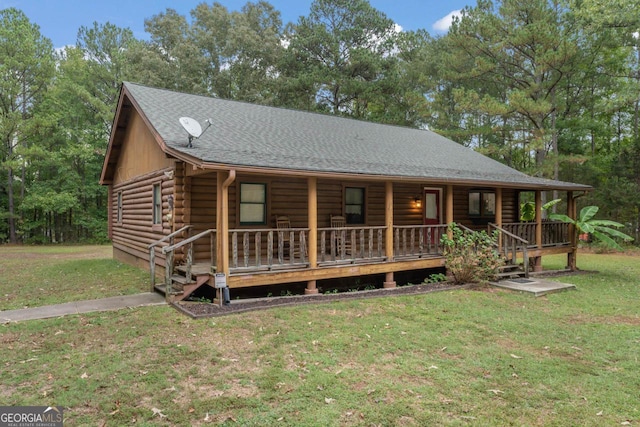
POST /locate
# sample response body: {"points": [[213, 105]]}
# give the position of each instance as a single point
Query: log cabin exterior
{"points": [[209, 206]]}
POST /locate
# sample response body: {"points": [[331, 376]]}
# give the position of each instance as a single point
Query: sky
{"points": [[60, 20]]}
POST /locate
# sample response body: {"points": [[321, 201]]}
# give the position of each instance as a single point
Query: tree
{"points": [[26, 69], [105, 49], [220, 53], [337, 57], [71, 125], [514, 61], [599, 228], [256, 42]]}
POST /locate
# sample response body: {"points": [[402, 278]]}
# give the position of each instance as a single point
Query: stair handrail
{"points": [[523, 246], [152, 252], [188, 240], [169, 251], [464, 227]]}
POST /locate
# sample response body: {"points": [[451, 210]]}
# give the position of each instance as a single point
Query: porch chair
{"points": [[338, 222], [283, 224]]}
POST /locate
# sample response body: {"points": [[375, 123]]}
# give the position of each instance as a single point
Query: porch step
{"points": [[162, 289], [510, 271], [180, 279], [196, 269]]}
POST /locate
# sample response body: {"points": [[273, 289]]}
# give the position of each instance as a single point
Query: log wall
{"points": [[194, 199], [288, 196], [461, 207], [136, 231]]}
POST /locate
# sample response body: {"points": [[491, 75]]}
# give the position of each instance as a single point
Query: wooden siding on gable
{"points": [[140, 153]]}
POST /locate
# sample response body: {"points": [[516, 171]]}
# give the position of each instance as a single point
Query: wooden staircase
{"points": [[509, 246], [182, 286], [511, 271]]}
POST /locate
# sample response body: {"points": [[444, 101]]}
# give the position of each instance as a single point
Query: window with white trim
{"points": [[253, 203], [354, 198], [157, 204], [119, 208]]}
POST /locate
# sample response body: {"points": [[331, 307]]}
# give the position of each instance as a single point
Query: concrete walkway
{"points": [[534, 285], [78, 307]]}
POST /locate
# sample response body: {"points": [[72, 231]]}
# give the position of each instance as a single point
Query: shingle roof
{"points": [[249, 135]]}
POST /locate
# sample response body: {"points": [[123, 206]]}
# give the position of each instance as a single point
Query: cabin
{"points": [[271, 196]]}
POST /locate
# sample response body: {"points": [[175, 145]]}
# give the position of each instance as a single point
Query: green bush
{"points": [[471, 256]]}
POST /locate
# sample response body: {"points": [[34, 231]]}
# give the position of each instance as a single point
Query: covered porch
{"points": [[310, 248]]}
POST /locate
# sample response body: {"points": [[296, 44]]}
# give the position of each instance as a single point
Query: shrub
{"points": [[471, 256]]}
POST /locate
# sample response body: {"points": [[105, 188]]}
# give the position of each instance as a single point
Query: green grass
{"points": [[32, 276], [465, 357]]}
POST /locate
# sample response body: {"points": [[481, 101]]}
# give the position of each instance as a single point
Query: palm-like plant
{"points": [[598, 228]]}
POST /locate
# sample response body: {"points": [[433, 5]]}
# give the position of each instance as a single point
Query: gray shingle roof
{"points": [[248, 135]]}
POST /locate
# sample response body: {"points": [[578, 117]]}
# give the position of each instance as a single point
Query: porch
{"points": [[271, 256]]}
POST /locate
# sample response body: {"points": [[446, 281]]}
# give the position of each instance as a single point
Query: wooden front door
{"points": [[432, 213]]}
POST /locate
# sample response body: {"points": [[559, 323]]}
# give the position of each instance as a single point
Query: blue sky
{"points": [[60, 20]]}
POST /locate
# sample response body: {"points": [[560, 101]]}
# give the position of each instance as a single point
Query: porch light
{"points": [[417, 201]]}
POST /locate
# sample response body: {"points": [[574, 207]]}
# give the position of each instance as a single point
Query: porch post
{"points": [[222, 220], [449, 205], [571, 213], [312, 208], [389, 281], [538, 260], [498, 218], [448, 213]]}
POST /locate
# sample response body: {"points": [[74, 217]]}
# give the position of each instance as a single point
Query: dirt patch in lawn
{"points": [[202, 309]]}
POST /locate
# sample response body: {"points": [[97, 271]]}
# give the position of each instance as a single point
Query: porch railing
{"points": [[554, 233], [351, 244], [510, 244], [268, 248], [170, 238], [418, 240]]}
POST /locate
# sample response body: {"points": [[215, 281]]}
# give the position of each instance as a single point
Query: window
{"points": [[482, 204], [119, 209], [253, 203], [157, 204], [354, 205]]}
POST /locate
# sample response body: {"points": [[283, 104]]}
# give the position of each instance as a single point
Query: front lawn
{"points": [[32, 276], [463, 357]]}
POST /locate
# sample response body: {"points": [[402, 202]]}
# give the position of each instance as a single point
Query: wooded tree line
{"points": [[549, 87]]}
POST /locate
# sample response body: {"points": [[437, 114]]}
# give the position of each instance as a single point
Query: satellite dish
{"points": [[192, 127]]}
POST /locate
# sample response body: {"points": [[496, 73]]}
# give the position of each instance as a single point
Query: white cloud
{"points": [[62, 51], [442, 25]]}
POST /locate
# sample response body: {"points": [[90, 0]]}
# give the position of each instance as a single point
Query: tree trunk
{"points": [[13, 237]]}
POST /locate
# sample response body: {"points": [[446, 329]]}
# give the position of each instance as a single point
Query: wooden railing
{"points": [[554, 233], [268, 248], [510, 244], [170, 251], [418, 240], [351, 244], [170, 238]]}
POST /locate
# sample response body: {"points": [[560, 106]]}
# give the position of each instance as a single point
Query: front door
{"points": [[432, 214]]}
